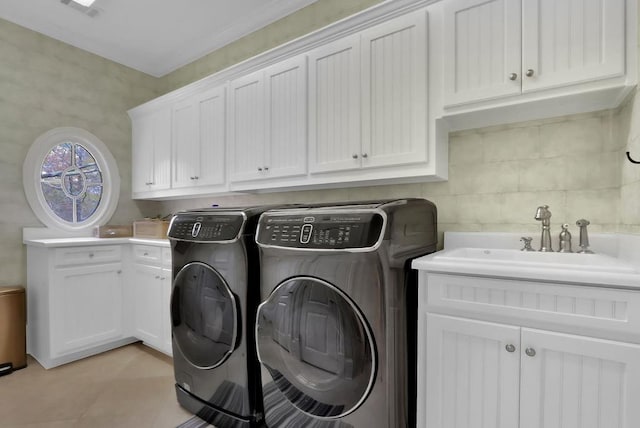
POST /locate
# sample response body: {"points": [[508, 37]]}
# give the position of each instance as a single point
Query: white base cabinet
{"points": [[151, 289], [74, 300], [476, 373], [87, 299]]}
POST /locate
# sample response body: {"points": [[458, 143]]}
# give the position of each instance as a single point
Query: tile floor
{"points": [[130, 386]]}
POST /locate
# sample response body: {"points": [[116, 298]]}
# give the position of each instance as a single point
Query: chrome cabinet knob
{"points": [[91, 255], [510, 348], [266, 168], [530, 352], [259, 169], [513, 76], [355, 156], [529, 73], [364, 155]]}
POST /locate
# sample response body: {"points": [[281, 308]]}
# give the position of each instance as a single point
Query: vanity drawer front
{"points": [[534, 303], [84, 255], [147, 254]]}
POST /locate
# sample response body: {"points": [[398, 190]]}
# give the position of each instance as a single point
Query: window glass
{"points": [[71, 180]]}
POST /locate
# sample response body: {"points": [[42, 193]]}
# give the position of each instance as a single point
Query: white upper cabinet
{"points": [[267, 122], [573, 41], [151, 151], [334, 106], [482, 49], [368, 97], [498, 48], [394, 92], [198, 149]]}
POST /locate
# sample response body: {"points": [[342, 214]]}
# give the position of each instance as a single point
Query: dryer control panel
{"points": [[206, 228], [320, 230]]}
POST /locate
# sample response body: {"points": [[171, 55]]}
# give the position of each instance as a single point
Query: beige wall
{"points": [[46, 84], [498, 175]]}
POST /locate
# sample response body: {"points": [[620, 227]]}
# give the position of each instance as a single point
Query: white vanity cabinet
{"points": [[508, 353], [504, 47], [151, 151], [198, 141], [151, 289], [75, 301], [268, 123], [368, 97]]}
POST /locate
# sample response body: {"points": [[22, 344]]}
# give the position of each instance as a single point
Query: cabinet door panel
{"points": [[86, 307], [286, 85], [482, 46], [472, 381], [185, 144], [394, 94], [334, 106], [161, 150], [211, 159], [148, 318], [246, 127], [572, 41], [142, 153], [578, 382]]}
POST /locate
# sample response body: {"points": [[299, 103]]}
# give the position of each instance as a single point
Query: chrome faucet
{"points": [[584, 237], [544, 215]]}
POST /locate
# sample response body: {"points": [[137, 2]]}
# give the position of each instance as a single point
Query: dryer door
{"points": [[204, 316], [317, 347]]}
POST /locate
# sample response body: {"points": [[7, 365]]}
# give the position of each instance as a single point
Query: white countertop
{"points": [[81, 241]]}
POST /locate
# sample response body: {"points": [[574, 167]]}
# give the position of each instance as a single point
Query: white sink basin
{"points": [[588, 269], [530, 259]]}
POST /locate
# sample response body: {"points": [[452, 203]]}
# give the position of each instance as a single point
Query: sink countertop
{"points": [[615, 263], [78, 241]]}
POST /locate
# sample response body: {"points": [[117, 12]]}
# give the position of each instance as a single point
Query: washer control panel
{"points": [[320, 231], [206, 228]]}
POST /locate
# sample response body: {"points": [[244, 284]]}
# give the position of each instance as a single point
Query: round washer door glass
{"points": [[317, 347], [203, 315]]}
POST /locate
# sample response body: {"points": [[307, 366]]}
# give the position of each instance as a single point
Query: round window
{"points": [[71, 180]]}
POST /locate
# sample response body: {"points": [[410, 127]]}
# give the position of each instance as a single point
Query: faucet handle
{"points": [[542, 213], [527, 243]]}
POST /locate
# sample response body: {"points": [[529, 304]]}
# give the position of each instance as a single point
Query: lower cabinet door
{"points": [[86, 307], [470, 375], [148, 313], [578, 382]]}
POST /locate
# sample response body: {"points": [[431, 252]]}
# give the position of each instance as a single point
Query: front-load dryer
{"points": [[335, 331], [213, 303]]}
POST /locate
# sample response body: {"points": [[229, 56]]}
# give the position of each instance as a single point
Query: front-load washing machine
{"points": [[335, 331], [213, 302]]}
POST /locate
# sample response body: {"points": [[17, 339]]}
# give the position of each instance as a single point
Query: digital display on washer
{"points": [[322, 231], [190, 227]]}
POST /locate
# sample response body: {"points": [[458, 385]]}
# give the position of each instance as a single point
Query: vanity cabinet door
{"points": [[468, 373], [148, 301], [578, 382], [86, 307]]}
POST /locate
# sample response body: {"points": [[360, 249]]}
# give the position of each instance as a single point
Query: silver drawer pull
{"points": [[530, 352], [510, 348]]}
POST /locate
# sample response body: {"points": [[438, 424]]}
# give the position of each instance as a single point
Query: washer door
{"points": [[204, 315], [317, 347]]}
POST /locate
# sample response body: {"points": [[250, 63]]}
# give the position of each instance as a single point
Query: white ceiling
{"points": [[153, 36]]}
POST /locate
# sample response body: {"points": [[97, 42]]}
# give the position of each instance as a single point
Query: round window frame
{"points": [[32, 170]]}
